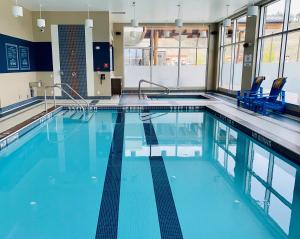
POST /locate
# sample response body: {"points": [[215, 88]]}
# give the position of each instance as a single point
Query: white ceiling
{"points": [[150, 11]]}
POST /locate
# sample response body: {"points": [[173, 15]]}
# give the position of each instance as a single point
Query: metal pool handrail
{"points": [[65, 84], [152, 83], [54, 98]]}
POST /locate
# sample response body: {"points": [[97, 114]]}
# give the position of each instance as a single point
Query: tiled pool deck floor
{"points": [[283, 132]]}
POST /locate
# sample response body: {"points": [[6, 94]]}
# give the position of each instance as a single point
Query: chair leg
{"points": [[264, 110]]}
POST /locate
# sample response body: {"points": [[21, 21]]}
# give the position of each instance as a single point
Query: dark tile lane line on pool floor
{"points": [[166, 209], [107, 226]]}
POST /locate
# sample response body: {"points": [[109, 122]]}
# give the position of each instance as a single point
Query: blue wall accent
{"points": [[102, 56], [40, 54], [73, 57], [43, 56]]}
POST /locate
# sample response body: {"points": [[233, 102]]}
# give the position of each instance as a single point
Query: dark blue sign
{"points": [[12, 57], [24, 58]]}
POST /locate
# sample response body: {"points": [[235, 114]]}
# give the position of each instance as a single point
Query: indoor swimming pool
{"points": [[156, 174]]}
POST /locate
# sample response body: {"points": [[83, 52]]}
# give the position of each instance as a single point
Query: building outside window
{"points": [[173, 57], [279, 46]]}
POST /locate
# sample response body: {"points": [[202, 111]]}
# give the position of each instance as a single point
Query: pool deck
{"points": [[283, 131]]}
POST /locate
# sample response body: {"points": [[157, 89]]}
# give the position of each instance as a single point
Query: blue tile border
{"points": [[142, 108], [107, 226], [9, 139], [166, 209]]}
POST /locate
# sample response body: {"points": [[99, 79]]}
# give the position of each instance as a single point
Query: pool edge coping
{"points": [[22, 129]]}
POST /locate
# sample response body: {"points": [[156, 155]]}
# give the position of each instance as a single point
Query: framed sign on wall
{"points": [[12, 57], [24, 58]]}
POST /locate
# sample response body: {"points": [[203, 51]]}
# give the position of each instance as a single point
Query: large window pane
{"points": [[228, 35], [270, 55], [193, 63], [137, 65], [241, 29], [226, 67], [238, 67], [294, 19], [274, 14], [152, 53], [232, 53], [165, 66], [292, 68]]}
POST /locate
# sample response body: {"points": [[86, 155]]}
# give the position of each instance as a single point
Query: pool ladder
{"points": [[80, 111], [166, 89]]}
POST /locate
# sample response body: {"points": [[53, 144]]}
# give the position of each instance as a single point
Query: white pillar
{"points": [[55, 58]]}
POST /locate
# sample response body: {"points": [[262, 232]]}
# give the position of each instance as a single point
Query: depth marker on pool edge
{"points": [[107, 226], [166, 209]]}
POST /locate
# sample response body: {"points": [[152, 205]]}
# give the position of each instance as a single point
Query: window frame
{"points": [[179, 47], [283, 34], [234, 44]]}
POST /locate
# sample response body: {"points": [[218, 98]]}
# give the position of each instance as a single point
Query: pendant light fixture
{"points": [[89, 23], [227, 21], [17, 10], [134, 22], [252, 10], [41, 22], [178, 20]]}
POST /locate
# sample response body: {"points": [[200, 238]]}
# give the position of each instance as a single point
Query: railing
{"points": [[54, 98], [74, 91], [167, 90]]}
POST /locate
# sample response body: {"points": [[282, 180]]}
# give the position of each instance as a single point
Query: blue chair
{"points": [[265, 103], [251, 94]]}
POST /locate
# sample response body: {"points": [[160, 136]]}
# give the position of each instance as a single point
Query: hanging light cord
{"points": [[133, 5], [179, 10], [227, 10], [40, 10], [88, 11]]}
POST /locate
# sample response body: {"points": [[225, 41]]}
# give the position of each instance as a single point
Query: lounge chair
{"points": [[263, 104], [251, 94]]}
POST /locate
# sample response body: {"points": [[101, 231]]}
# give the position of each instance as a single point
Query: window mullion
{"points": [[284, 38]]}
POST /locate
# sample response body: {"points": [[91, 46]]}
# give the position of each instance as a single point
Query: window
{"points": [[232, 53], [166, 55], [292, 67], [294, 18], [270, 57], [279, 46], [226, 67], [273, 20], [137, 56]]}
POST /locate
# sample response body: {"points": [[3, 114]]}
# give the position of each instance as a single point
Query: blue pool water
{"points": [[145, 175]]}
